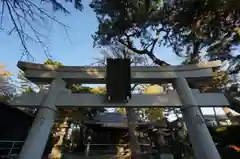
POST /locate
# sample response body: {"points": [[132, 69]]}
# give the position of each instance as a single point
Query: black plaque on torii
{"points": [[118, 80]]}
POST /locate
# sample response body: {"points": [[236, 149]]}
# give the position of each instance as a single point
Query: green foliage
{"points": [[117, 18], [58, 6], [122, 111], [28, 89], [189, 27], [220, 129], [220, 79], [53, 63], [127, 21], [4, 98], [83, 113], [203, 24], [76, 88]]}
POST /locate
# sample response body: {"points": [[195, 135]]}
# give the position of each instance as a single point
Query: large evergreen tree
{"points": [[188, 27]]}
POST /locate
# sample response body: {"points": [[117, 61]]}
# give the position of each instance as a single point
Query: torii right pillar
{"points": [[203, 145]]}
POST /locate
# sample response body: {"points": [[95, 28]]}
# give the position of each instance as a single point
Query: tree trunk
{"points": [[134, 145]]}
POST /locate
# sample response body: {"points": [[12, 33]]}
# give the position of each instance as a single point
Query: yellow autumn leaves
{"points": [[3, 72], [154, 114]]}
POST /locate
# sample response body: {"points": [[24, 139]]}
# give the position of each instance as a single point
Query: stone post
{"points": [[200, 137], [35, 143]]}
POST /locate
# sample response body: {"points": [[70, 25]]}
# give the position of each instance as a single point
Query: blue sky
{"points": [[76, 51]]}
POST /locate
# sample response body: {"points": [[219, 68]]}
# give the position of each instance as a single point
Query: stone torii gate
{"points": [[59, 97]]}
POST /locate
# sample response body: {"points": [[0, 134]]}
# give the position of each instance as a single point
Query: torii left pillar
{"points": [[35, 143]]}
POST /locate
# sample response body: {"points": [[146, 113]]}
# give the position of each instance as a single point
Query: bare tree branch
{"points": [[2, 12], [28, 20], [17, 30], [150, 54], [42, 11], [36, 33]]}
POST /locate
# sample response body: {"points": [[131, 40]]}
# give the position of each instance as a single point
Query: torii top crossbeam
{"points": [[71, 74], [41, 73]]}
